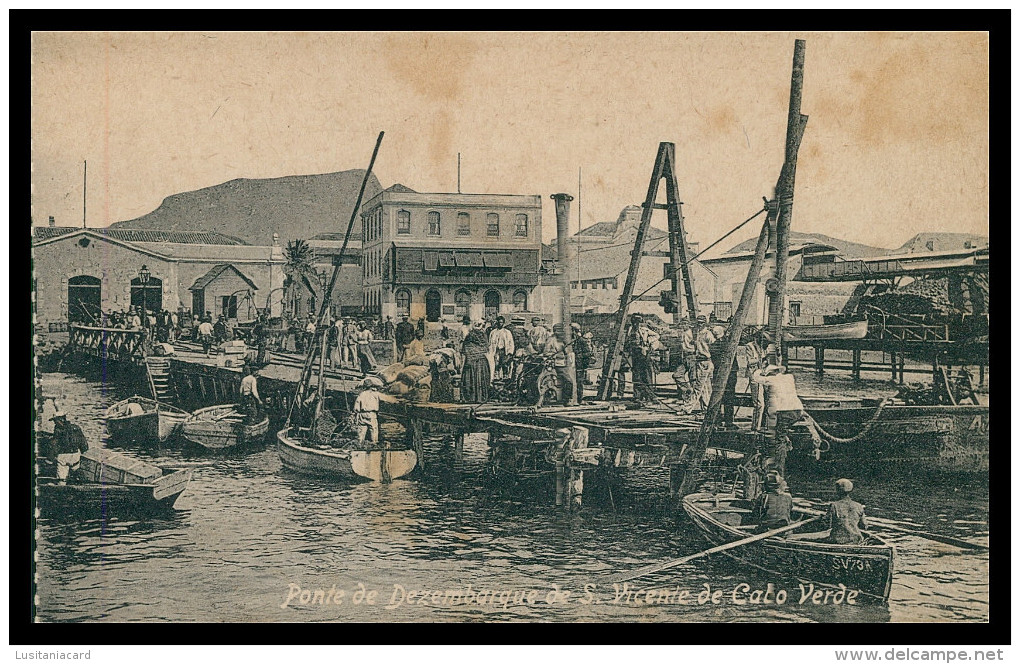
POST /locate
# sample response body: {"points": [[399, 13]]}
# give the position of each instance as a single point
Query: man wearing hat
{"points": [[538, 335], [556, 349], [846, 517], [501, 348], [772, 510], [522, 345], [403, 335], [783, 402], [638, 346], [704, 368], [68, 444], [366, 410], [251, 401], [584, 356]]}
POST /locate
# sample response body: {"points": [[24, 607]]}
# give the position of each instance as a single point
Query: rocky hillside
{"points": [[298, 206]]}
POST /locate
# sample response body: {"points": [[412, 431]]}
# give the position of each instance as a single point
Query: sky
{"points": [[896, 143]]}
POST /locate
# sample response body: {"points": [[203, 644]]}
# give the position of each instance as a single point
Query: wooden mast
{"points": [[784, 194], [782, 207]]}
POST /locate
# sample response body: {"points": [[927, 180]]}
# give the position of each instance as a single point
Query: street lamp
{"points": [[143, 278]]}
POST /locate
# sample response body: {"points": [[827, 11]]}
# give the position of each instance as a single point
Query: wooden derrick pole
{"points": [[694, 454], [795, 124], [780, 210]]}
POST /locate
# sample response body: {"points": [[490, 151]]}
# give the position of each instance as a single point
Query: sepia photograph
{"points": [[488, 327]]}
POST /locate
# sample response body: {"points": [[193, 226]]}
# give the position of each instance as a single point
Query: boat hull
{"points": [[221, 427], [867, 568], [349, 465], [158, 423], [943, 438], [101, 499], [852, 330]]}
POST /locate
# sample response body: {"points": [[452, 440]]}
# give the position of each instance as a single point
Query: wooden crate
{"points": [[102, 465]]}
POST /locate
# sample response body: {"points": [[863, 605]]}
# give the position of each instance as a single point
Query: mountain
{"points": [[297, 206]]}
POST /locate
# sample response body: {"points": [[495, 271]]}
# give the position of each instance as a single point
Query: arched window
{"points": [[403, 302], [492, 224], [433, 305], [84, 299], [463, 223], [492, 301], [434, 228], [521, 225], [520, 300], [462, 303], [403, 222]]}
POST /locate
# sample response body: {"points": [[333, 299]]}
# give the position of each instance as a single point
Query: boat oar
{"points": [[652, 569], [889, 525]]}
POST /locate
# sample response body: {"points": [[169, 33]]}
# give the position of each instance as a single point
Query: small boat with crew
{"points": [[223, 426], [725, 518], [109, 483], [349, 462], [142, 420]]}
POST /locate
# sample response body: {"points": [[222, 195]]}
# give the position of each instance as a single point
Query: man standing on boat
{"points": [[366, 411], [68, 444], [783, 402], [250, 399]]}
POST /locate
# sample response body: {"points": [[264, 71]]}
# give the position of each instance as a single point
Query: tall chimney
{"points": [[562, 231], [53, 222]]}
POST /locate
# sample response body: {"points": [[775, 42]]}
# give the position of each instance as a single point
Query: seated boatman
{"points": [[772, 509], [846, 516]]}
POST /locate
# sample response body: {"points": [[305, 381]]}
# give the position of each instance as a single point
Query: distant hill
{"points": [[297, 206]]}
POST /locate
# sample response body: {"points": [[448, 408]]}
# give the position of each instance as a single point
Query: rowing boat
{"points": [[866, 567], [155, 422], [104, 499], [857, 329], [220, 427], [301, 456]]}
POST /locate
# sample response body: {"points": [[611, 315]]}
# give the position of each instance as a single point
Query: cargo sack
{"points": [[411, 375], [390, 373], [418, 360], [398, 388]]}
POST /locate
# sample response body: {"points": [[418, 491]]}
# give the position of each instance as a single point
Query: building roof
{"points": [[216, 271], [400, 189], [601, 228], [942, 242], [846, 248], [143, 235], [211, 253], [335, 237]]}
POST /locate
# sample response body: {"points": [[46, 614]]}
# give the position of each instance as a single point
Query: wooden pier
{"points": [[561, 443]]}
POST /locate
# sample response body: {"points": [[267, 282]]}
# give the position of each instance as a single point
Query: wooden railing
{"points": [[108, 343]]}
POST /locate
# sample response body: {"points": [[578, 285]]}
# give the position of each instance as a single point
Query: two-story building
{"points": [[444, 256]]}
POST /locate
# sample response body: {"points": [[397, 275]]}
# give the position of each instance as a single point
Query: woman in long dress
{"points": [[475, 379]]}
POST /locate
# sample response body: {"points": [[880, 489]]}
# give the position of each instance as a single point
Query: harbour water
{"points": [[251, 541]]}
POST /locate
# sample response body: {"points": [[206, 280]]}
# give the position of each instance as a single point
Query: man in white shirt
{"points": [[501, 348], [250, 399], [205, 335], [366, 411], [783, 402]]}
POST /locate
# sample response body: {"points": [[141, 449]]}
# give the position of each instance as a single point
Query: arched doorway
{"points": [[149, 295], [84, 299], [492, 300], [520, 300], [462, 304], [433, 306]]}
